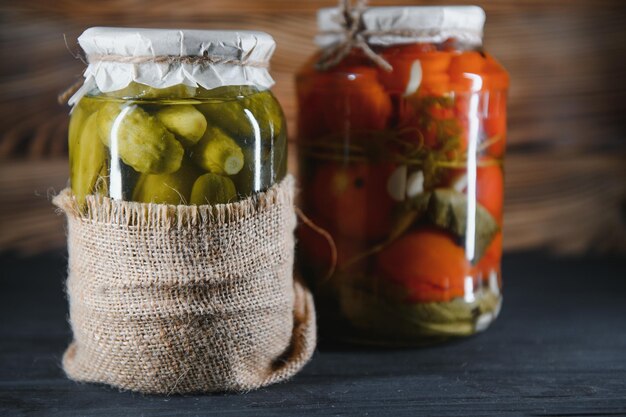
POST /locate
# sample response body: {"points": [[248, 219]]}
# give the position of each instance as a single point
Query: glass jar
{"points": [[403, 168], [175, 144]]}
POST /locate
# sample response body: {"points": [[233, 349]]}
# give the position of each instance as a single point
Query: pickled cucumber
{"points": [[218, 153], [77, 122], [213, 189], [268, 113], [107, 114], [257, 175], [241, 117], [142, 141], [164, 141], [88, 160], [187, 123], [174, 188]]}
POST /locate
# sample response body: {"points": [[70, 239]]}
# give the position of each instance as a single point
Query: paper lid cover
{"points": [[242, 58], [428, 24]]}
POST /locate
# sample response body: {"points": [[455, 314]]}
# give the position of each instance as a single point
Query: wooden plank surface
{"points": [[556, 350], [566, 170]]}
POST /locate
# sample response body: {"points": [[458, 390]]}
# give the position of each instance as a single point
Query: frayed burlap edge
{"points": [[128, 213], [278, 301]]}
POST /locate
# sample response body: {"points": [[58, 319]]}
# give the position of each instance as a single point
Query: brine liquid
{"points": [[175, 147], [413, 202]]}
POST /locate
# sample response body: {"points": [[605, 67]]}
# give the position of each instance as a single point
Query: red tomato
{"points": [[491, 259], [354, 199], [353, 100], [466, 71], [495, 123], [310, 122], [401, 58], [428, 264], [434, 65], [490, 189], [497, 79], [342, 99]]}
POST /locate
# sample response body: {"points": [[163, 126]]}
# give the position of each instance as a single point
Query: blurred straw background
{"points": [[566, 164]]}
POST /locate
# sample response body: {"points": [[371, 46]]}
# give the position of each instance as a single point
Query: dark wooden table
{"points": [[558, 349]]}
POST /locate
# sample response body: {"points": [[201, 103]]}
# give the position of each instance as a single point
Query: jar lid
{"points": [[401, 25], [161, 58]]}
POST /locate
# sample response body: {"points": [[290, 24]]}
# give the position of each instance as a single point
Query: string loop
{"points": [[354, 37]]}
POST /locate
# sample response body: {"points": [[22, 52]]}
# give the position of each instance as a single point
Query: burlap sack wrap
{"points": [[178, 299]]}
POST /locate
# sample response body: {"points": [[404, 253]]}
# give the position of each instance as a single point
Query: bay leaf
{"points": [[447, 208], [397, 319]]}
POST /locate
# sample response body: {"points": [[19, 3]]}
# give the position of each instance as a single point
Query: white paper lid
{"points": [[430, 24], [255, 48]]}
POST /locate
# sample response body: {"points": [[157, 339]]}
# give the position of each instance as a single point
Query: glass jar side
{"points": [[404, 170], [178, 145]]}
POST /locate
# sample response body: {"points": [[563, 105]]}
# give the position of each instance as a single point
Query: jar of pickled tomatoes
{"points": [[401, 134]]}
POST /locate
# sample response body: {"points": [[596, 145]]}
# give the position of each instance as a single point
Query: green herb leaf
{"points": [[447, 208], [376, 309]]}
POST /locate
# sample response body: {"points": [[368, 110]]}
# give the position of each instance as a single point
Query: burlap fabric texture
{"points": [[179, 299]]}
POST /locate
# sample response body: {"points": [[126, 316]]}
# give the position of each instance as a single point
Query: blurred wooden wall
{"points": [[566, 167]]}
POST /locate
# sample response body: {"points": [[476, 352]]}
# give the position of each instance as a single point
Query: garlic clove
{"points": [[415, 184], [396, 184], [415, 78], [483, 321], [494, 287]]}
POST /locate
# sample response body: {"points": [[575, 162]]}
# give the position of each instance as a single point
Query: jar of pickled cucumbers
{"points": [[402, 131], [175, 117]]}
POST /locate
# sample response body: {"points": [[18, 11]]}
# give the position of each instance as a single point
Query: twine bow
{"points": [[354, 37]]}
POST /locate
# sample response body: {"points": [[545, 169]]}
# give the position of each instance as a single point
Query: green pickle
{"points": [[187, 123], [174, 188], [249, 179], [218, 153], [262, 117], [79, 115], [178, 145], [142, 141], [89, 158], [107, 113], [260, 109], [213, 189]]}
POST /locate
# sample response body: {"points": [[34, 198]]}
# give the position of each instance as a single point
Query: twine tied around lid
{"points": [[205, 59], [355, 37]]}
